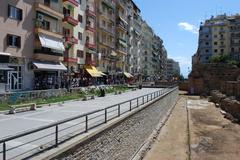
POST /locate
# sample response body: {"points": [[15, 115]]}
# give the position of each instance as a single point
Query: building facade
{"points": [[46, 44], [218, 36], [173, 69]]}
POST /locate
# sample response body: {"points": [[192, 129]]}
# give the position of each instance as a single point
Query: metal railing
{"points": [[49, 136]]}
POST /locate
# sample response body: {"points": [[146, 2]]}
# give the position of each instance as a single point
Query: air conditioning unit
{"points": [[40, 17]]}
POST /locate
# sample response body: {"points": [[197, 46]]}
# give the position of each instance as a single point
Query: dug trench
{"points": [[124, 139]]}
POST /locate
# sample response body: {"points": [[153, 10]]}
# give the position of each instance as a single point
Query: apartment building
{"points": [[49, 49], [133, 57], [157, 57], [121, 34], [16, 45], [106, 27], [91, 56], [173, 69], [234, 23], [45, 43], [218, 36], [72, 33], [147, 50]]}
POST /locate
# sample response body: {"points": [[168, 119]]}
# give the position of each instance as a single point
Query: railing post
{"points": [[105, 115], [119, 113], [137, 102], [130, 105], [4, 150], [143, 99], [147, 97], [56, 136], [86, 125], [151, 96]]}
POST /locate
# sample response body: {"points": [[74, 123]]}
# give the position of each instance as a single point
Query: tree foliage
{"points": [[225, 58]]}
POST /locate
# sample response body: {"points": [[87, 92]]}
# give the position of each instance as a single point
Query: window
{"points": [[14, 13], [222, 50], [206, 36], [206, 50], [79, 35], [215, 50], [14, 41], [207, 43], [80, 1], [80, 18], [79, 53], [215, 43]]}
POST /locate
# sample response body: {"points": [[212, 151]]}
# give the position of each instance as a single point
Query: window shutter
{"points": [[9, 10], [80, 18], [19, 42], [20, 14], [8, 40]]}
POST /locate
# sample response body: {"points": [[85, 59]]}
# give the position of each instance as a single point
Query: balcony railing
{"points": [[90, 62], [90, 45], [70, 20], [90, 28], [74, 60], [48, 51], [90, 13], [71, 40], [73, 3]]}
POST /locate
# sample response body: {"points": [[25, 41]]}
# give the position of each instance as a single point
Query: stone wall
{"points": [[231, 88], [123, 140], [30, 95], [207, 77], [183, 86], [229, 104]]}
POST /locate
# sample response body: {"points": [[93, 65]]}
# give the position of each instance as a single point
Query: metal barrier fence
{"points": [[50, 136]]}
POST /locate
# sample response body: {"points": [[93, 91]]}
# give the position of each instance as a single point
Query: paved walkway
{"points": [[210, 136], [12, 124], [171, 143]]}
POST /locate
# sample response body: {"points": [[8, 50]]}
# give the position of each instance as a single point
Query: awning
{"points": [[4, 67], [49, 66], [93, 71], [128, 75], [5, 54], [52, 43], [113, 53], [123, 20], [124, 44]]}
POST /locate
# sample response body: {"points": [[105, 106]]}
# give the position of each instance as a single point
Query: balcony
{"points": [[90, 62], [90, 13], [71, 40], [90, 28], [121, 27], [90, 46], [47, 55], [70, 20], [73, 3], [56, 12], [73, 60], [46, 31]]}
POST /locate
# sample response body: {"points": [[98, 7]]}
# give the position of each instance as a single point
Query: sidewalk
{"points": [[210, 136], [171, 144]]}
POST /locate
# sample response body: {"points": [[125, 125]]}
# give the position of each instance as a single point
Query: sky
{"points": [[177, 23]]}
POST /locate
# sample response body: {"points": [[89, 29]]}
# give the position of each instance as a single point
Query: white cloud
{"points": [[188, 27]]}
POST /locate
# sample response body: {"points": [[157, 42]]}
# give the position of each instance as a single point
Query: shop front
{"points": [[11, 73], [94, 76], [48, 75]]}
